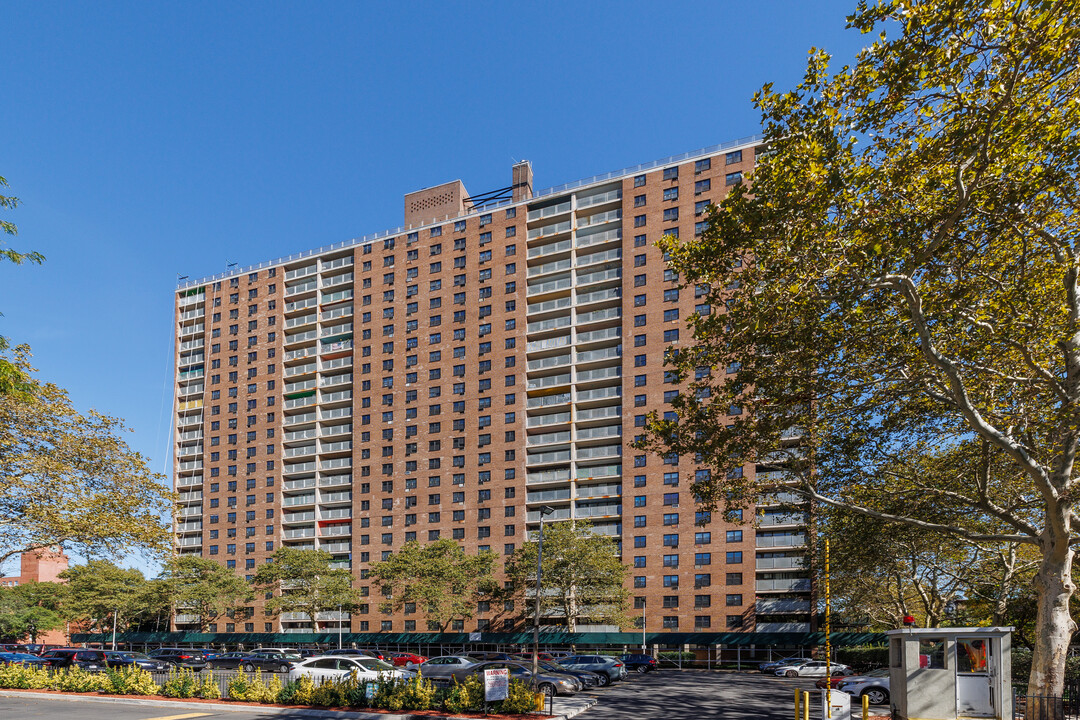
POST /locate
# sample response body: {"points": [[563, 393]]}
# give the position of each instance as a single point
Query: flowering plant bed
{"points": [[415, 696]]}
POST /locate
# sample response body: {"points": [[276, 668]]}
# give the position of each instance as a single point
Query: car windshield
{"points": [[880, 672]]}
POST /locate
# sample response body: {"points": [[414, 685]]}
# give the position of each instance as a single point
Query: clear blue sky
{"points": [[149, 139]]}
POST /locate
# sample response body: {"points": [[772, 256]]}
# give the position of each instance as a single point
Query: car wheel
{"points": [[791, 673], [642, 668], [603, 680], [547, 688], [283, 668], [877, 696], [248, 667]]}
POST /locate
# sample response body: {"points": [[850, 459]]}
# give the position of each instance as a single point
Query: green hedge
{"points": [[864, 657]]}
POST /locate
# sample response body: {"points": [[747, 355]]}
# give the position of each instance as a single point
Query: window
{"points": [[734, 557], [639, 180], [671, 173], [671, 193], [702, 165], [733, 600], [734, 536], [733, 178], [733, 157], [733, 579], [671, 214]]}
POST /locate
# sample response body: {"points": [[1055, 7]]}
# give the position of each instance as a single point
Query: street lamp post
{"points": [[643, 614], [544, 511], [339, 626]]}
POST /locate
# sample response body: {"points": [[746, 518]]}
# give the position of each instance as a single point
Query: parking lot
{"points": [[696, 694]]}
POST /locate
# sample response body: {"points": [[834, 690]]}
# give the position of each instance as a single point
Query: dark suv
{"points": [[193, 658], [639, 663], [75, 657]]}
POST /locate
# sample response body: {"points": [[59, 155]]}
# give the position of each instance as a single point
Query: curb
{"points": [[267, 710]]}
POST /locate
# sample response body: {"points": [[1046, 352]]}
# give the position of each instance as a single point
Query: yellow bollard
{"points": [[805, 706], [798, 697], [865, 706]]}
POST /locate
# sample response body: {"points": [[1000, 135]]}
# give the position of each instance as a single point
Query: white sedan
{"points": [[337, 668], [811, 668]]}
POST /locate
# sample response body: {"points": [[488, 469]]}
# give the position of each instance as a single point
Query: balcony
{"points": [[551, 324], [783, 585], [294, 468], [301, 304], [551, 438], [186, 619], [601, 218], [336, 447], [191, 481], [603, 373], [598, 277], [339, 329], [595, 472], [300, 353], [550, 230], [547, 496], [599, 238], [547, 382], [301, 288], [599, 257], [301, 272], [337, 280], [767, 541], [298, 517], [548, 287], [551, 267], [599, 315], [344, 513], [299, 419], [335, 481], [597, 509], [548, 476], [335, 380], [306, 336], [301, 484], [591, 356], [336, 530], [562, 513], [299, 500], [547, 458], [336, 547], [612, 333], [335, 463], [337, 296], [336, 263], [548, 363], [336, 497], [339, 396], [548, 400], [779, 605], [600, 451], [308, 532], [797, 562], [338, 312], [605, 490], [599, 199], [602, 393], [549, 249], [549, 343], [600, 413], [295, 322], [548, 306], [550, 211], [781, 519], [297, 435], [594, 433], [299, 402], [546, 420], [189, 300], [792, 627]]}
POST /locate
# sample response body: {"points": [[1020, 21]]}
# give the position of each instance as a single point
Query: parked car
{"points": [[194, 658], [355, 652], [404, 659], [287, 652], [874, 685], [274, 662], [608, 668], [527, 656], [770, 667], [230, 660], [489, 656], [444, 666], [337, 667], [586, 678], [34, 648], [811, 668], [639, 663], [129, 659], [75, 657], [16, 658], [549, 683]]}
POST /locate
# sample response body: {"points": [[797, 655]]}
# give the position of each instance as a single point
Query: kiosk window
{"points": [[897, 652], [932, 653], [971, 655]]}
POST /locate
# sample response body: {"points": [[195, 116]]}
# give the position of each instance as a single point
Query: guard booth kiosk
{"points": [[950, 673]]}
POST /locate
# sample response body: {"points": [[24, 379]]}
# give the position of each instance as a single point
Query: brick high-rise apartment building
{"points": [[449, 378]]}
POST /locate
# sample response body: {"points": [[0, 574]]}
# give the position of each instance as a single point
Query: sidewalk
{"points": [[562, 708]]}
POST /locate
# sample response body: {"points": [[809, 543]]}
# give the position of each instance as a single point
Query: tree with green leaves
{"points": [[902, 287], [102, 595], [440, 579], [582, 576], [304, 582], [29, 610], [13, 379], [68, 478], [203, 587]]}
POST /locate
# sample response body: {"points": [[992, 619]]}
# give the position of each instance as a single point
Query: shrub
{"points": [[297, 692], [520, 699], [129, 681], [208, 688], [76, 679], [329, 694], [180, 684], [254, 689], [412, 694], [466, 696], [24, 677], [864, 657]]}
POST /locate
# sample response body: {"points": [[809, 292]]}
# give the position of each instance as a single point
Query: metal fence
{"points": [[1047, 707]]}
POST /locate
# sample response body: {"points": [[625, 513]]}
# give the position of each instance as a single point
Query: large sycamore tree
{"points": [[69, 478], [439, 579], [900, 283]]}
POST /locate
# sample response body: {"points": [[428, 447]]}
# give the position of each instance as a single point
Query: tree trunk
{"points": [[1054, 628]]}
